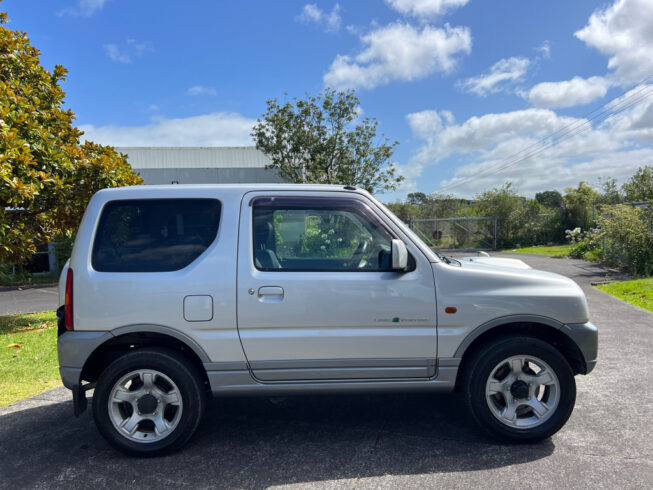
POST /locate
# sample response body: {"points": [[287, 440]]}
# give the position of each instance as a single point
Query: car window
{"points": [[154, 235], [319, 237]]}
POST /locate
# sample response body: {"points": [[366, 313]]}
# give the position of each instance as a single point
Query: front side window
{"points": [[295, 234], [154, 235]]}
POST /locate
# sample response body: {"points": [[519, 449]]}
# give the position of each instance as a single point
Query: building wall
{"points": [[200, 165], [155, 176]]}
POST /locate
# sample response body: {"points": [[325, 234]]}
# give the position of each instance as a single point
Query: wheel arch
{"points": [[132, 337], [543, 328]]}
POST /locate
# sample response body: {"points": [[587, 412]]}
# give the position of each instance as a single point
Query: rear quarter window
{"points": [[154, 235]]}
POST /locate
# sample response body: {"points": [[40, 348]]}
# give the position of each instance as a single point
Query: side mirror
{"points": [[399, 255]]}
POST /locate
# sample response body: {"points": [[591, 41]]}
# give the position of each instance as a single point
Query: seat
{"points": [[264, 245]]}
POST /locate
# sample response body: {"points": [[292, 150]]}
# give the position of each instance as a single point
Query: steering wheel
{"points": [[359, 254]]}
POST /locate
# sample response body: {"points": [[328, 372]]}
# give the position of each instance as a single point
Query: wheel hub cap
{"points": [[519, 389], [147, 404], [522, 392]]}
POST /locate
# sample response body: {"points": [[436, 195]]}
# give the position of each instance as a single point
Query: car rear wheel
{"points": [[149, 402], [520, 389]]}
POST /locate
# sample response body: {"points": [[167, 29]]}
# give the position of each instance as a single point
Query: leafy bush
{"points": [[316, 234], [584, 245], [628, 236], [323, 239]]}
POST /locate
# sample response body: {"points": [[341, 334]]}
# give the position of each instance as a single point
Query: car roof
{"points": [[245, 187], [186, 189]]}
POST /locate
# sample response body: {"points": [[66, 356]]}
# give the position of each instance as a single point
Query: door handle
{"points": [[270, 294]]}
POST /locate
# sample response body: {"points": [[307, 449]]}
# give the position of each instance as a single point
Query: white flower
{"points": [[331, 231], [328, 241], [324, 235], [322, 247], [339, 240]]}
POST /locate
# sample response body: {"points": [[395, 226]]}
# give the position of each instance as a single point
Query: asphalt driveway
{"points": [[407, 441], [31, 299]]}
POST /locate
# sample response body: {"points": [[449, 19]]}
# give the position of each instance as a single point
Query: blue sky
{"points": [[462, 84]]}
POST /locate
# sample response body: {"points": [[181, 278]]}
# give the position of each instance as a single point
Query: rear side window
{"points": [[154, 235]]}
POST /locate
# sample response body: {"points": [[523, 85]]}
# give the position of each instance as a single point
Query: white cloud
{"points": [[503, 74], [199, 90], [577, 91], [425, 124], [84, 8], [614, 147], [548, 172], [401, 52], [544, 49], [115, 54], [216, 129], [624, 33], [130, 50], [424, 9], [637, 121], [311, 13]]}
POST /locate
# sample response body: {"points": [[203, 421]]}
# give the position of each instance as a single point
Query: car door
{"points": [[317, 298]]}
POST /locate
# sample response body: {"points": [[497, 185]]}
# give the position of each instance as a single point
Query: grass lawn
{"points": [[551, 251], [638, 292], [28, 356]]}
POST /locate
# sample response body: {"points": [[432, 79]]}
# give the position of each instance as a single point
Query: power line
{"points": [[581, 126], [571, 134], [566, 132]]}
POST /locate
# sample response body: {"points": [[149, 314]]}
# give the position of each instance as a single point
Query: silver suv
{"points": [[176, 293]]}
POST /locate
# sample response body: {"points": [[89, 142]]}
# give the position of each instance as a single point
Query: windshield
{"points": [[432, 255]]}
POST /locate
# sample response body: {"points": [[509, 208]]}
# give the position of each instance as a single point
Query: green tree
{"points": [[421, 205], [609, 191], [417, 198], [404, 210], [640, 185], [322, 140], [507, 206], [549, 199], [579, 206], [46, 174]]}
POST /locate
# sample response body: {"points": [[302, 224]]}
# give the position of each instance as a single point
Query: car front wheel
{"points": [[520, 389]]}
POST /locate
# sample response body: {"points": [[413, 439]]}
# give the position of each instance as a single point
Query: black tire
{"points": [[180, 371], [480, 368]]}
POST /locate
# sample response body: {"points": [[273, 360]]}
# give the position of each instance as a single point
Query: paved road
{"points": [[28, 300], [389, 441]]}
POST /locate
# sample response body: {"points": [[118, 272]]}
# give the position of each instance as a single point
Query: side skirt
{"points": [[237, 379]]}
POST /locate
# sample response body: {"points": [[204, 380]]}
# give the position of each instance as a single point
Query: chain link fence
{"points": [[472, 233], [465, 233]]}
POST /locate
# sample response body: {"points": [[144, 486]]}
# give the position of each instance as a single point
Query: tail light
{"points": [[69, 300]]}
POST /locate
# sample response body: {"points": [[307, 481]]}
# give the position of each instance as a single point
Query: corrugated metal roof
{"points": [[142, 157]]}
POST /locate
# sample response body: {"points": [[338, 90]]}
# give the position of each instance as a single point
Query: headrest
{"points": [[263, 231]]}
